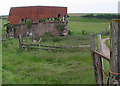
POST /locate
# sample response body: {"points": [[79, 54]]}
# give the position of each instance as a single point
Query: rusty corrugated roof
{"points": [[35, 13]]}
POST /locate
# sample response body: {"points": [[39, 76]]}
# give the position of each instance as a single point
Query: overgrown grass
{"points": [[65, 40], [45, 67]]}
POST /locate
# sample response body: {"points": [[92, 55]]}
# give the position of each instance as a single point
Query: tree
{"points": [[8, 27]]}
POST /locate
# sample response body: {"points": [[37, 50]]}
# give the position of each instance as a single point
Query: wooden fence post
{"points": [[100, 61], [93, 48], [115, 52], [1, 52], [20, 41]]}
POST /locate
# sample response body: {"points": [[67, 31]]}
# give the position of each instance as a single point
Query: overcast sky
{"points": [[74, 6]]}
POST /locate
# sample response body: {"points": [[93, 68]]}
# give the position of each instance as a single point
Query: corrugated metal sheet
{"points": [[35, 13]]}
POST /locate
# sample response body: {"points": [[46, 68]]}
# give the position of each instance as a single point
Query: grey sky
{"points": [[74, 6]]}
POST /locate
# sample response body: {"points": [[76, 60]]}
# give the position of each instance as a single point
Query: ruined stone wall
{"points": [[40, 29]]}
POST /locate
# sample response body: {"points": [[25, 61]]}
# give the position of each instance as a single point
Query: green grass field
{"points": [[72, 66], [78, 24], [88, 27], [50, 67]]}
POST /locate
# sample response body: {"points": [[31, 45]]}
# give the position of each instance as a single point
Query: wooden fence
{"points": [[97, 59], [48, 47], [114, 60]]}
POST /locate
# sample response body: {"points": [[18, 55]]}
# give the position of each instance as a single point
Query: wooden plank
{"points": [[100, 61], [118, 48], [43, 45], [115, 52], [40, 48], [20, 41], [101, 55], [80, 46], [93, 48]]}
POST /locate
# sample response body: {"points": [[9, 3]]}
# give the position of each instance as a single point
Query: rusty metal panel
{"points": [[35, 13]]}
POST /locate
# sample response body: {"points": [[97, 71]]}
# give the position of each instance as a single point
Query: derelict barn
{"points": [[36, 14]]}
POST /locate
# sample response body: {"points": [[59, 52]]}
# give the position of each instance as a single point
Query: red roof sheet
{"points": [[35, 13]]}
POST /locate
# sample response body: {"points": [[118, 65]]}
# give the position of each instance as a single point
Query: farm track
{"points": [[105, 49]]}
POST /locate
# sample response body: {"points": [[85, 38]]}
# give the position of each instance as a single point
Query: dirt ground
{"points": [[105, 49]]}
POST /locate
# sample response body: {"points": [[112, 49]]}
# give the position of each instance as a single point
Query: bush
{"points": [[8, 25], [106, 16], [56, 39], [68, 16], [60, 27], [47, 34], [28, 23], [42, 20], [69, 32]]}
